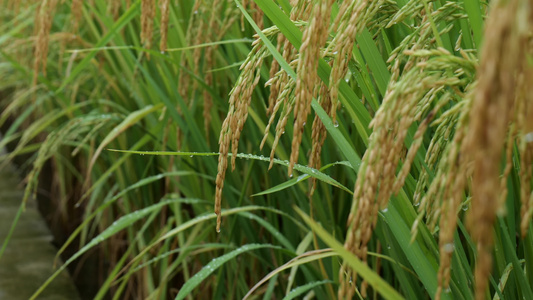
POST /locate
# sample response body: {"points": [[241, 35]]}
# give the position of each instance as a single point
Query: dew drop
{"points": [[528, 138], [196, 11], [385, 210], [448, 248], [190, 155], [336, 124]]}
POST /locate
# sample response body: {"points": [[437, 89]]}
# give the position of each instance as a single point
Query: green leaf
{"points": [[341, 142], [143, 182], [117, 226], [273, 230], [374, 60], [304, 288], [294, 181], [213, 265], [282, 186], [473, 9], [424, 265], [380, 285], [301, 168], [121, 22], [297, 261], [129, 121]]}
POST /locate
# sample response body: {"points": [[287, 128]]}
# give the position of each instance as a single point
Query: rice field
{"points": [[287, 149]]}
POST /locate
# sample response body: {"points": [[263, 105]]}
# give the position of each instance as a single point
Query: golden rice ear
{"points": [[454, 177], [240, 97], [282, 85], [501, 62], [113, 8], [232, 126], [163, 29], [524, 121], [408, 99], [314, 37], [43, 24], [318, 137], [274, 68], [76, 10], [257, 15], [147, 22]]}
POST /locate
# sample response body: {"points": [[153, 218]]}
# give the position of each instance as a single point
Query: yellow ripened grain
{"points": [[43, 24], [163, 30], [76, 10], [502, 58], [147, 21], [314, 37]]}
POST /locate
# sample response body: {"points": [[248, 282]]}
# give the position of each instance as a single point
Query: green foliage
{"points": [[133, 155]]}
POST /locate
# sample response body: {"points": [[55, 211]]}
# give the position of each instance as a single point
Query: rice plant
{"points": [[378, 149]]}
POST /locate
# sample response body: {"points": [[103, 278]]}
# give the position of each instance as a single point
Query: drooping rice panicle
{"points": [[76, 11], [164, 6], [43, 24], [314, 37], [240, 97], [113, 8], [501, 61], [147, 22]]}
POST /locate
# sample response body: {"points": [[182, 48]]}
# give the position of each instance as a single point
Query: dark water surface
{"points": [[28, 260]]}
